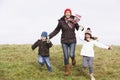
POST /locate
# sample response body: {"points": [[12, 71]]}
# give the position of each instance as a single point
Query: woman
{"points": [[68, 38]]}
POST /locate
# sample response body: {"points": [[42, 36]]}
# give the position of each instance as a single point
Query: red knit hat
{"points": [[68, 10]]}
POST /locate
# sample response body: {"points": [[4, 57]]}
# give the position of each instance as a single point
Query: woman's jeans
{"points": [[45, 60], [68, 50]]}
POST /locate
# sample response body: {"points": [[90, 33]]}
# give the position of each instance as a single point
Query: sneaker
{"points": [[92, 78], [41, 68]]}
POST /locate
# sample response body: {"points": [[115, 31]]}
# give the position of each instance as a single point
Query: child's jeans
{"points": [[88, 61], [45, 60], [68, 48]]}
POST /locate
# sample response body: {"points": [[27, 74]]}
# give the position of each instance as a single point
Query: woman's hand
{"points": [[81, 28]]}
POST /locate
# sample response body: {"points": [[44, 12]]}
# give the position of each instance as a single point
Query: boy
{"points": [[43, 52]]}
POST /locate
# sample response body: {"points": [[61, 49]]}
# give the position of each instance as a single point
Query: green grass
{"points": [[19, 62]]}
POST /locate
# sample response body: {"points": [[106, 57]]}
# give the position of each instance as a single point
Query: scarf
{"points": [[71, 21]]}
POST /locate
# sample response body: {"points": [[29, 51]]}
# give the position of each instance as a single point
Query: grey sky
{"points": [[22, 21]]}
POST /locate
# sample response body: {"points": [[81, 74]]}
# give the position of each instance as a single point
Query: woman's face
{"points": [[87, 36], [67, 14]]}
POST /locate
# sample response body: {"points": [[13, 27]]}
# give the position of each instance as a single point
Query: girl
{"points": [[87, 51]]}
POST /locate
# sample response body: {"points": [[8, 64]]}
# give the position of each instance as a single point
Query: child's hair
{"points": [[88, 34]]}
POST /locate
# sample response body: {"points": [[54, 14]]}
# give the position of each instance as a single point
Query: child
{"points": [[87, 51], [43, 52]]}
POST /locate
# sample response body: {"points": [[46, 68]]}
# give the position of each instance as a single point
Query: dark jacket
{"points": [[43, 47], [68, 35]]}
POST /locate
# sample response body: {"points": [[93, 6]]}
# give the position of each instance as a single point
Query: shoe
{"points": [[73, 61], [41, 67], [92, 78], [67, 70]]}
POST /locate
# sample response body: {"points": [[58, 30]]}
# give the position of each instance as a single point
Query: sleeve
{"points": [[49, 44], [98, 44], [77, 26], [56, 31], [34, 45], [81, 35]]}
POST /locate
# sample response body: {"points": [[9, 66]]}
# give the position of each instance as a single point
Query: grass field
{"points": [[19, 62]]}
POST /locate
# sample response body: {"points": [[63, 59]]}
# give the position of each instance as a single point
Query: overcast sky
{"points": [[22, 21]]}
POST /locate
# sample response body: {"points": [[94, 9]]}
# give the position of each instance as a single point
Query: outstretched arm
{"points": [[101, 45], [56, 31], [34, 45]]}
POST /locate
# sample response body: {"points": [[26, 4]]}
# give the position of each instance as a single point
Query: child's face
{"points": [[43, 38], [87, 36]]}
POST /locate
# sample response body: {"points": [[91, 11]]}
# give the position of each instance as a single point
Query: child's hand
{"points": [[48, 40], [109, 48]]}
